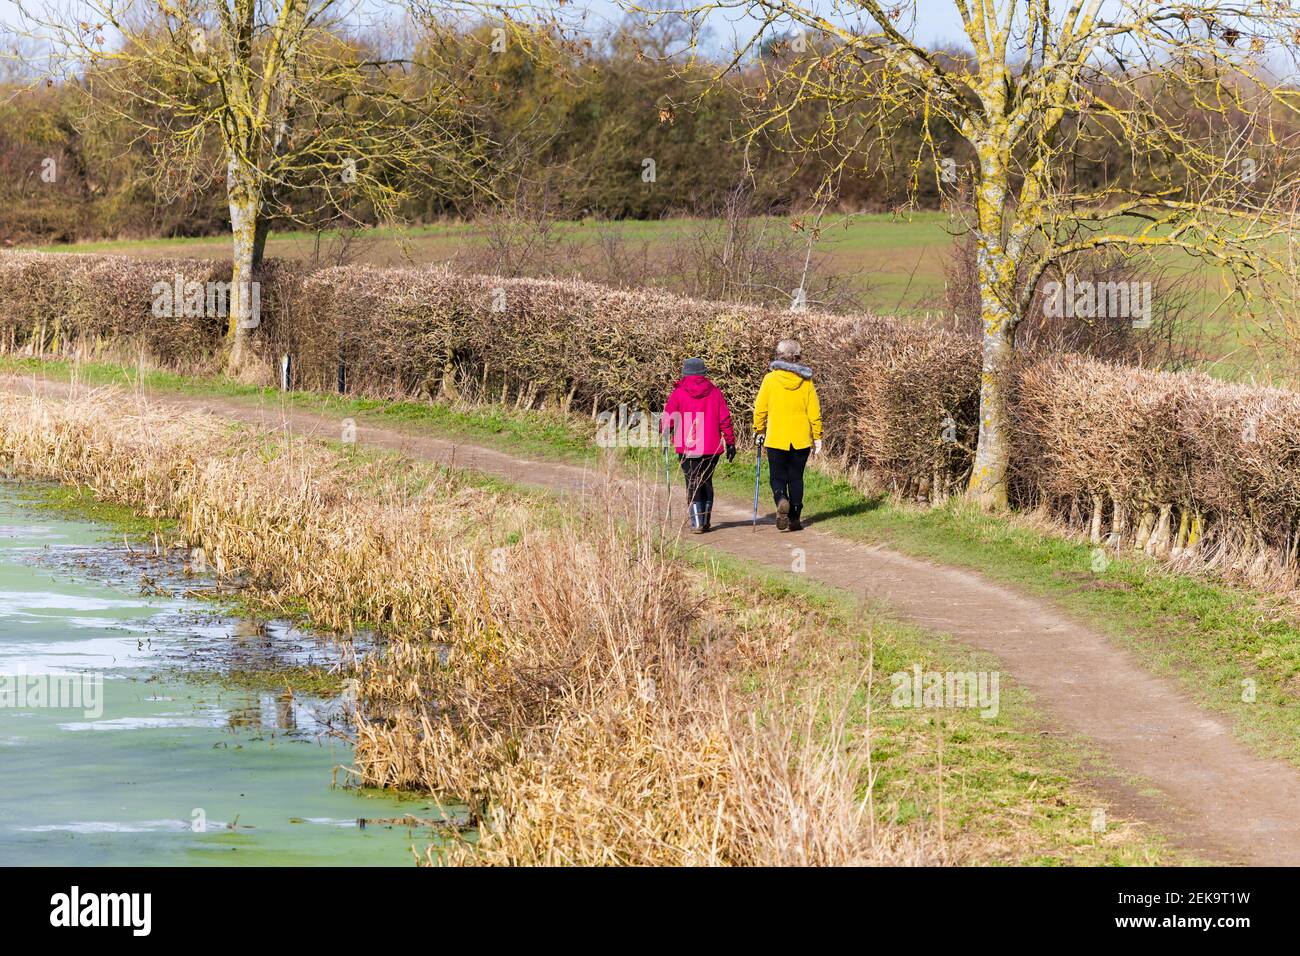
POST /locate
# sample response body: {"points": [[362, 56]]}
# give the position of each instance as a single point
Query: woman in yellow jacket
{"points": [[788, 411]]}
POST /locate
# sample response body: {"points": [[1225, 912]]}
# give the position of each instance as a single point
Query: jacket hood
{"points": [[696, 386], [795, 374]]}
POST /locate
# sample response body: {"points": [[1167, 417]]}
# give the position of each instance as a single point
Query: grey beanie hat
{"points": [[693, 366]]}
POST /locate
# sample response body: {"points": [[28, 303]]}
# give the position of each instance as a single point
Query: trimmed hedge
{"points": [[51, 300]]}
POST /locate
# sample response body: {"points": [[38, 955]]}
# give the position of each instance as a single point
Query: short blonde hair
{"points": [[788, 349]]}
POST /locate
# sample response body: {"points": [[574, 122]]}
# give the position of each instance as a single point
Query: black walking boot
{"points": [[795, 524], [708, 511], [783, 515]]}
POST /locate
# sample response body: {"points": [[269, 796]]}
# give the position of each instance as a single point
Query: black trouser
{"points": [[785, 471], [699, 478]]}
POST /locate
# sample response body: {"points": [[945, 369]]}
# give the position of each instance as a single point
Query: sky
{"points": [[936, 20], [933, 22]]}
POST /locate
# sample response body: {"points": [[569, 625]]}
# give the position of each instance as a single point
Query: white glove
{"points": [[817, 446]]}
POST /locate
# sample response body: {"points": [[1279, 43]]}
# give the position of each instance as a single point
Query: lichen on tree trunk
{"points": [[997, 276], [245, 216]]}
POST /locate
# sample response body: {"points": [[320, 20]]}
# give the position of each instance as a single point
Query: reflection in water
{"points": [[282, 714]]}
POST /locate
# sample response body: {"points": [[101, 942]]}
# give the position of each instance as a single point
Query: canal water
{"points": [[119, 743]]}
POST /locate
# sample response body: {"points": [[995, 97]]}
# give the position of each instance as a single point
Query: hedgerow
{"points": [[1177, 465]]}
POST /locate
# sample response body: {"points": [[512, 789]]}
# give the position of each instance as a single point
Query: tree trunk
{"points": [[1184, 529], [1118, 521], [1194, 534], [259, 240], [1158, 544], [245, 213], [988, 482], [1145, 527], [447, 387]]}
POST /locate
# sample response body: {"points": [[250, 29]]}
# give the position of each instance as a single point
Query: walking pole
{"points": [[758, 468], [668, 482]]}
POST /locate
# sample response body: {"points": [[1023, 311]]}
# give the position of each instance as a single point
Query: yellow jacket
{"points": [[787, 407]]}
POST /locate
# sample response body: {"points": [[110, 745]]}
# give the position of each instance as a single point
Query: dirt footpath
{"points": [[1170, 762]]}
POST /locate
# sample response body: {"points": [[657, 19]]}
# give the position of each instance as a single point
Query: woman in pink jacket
{"points": [[699, 421]]}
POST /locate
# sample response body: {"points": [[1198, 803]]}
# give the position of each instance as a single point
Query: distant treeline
{"points": [[573, 127]]}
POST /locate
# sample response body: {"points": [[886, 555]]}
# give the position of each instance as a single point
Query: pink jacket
{"points": [[698, 416]]}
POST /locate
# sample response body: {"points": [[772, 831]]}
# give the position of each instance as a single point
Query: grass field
{"points": [[900, 260], [894, 264]]}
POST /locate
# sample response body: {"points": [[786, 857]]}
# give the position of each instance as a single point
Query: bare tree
{"points": [[304, 116]]}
